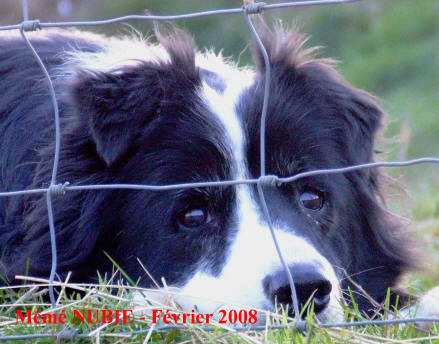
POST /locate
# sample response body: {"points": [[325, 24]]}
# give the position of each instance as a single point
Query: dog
{"points": [[165, 113]]}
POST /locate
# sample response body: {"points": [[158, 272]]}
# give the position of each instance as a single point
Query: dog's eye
{"points": [[312, 199], [194, 217]]}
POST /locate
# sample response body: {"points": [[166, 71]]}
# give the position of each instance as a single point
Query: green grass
{"points": [[107, 296]]}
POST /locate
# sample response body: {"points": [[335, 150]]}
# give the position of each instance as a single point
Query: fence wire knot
{"points": [[254, 8], [268, 180], [66, 334], [31, 25], [58, 189]]}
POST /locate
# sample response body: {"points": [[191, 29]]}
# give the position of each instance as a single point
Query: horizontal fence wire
{"points": [[259, 5], [57, 189], [62, 188]]}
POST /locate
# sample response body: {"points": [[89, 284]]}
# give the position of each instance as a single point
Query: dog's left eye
{"points": [[194, 217], [312, 199]]}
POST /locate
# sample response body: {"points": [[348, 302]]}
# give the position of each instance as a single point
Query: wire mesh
{"points": [[55, 189]]}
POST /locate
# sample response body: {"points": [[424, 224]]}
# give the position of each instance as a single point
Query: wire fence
{"points": [[59, 189]]}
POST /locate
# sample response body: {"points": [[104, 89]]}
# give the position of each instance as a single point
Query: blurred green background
{"points": [[388, 47]]}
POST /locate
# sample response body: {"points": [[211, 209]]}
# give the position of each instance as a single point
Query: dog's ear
{"points": [[359, 111], [286, 52], [115, 106], [363, 118]]}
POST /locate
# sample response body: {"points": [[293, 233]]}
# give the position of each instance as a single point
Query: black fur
{"points": [[146, 124], [116, 129]]}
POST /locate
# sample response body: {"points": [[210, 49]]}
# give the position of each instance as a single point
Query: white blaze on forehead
{"points": [[223, 105]]}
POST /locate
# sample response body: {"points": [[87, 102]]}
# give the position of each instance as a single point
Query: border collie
{"points": [[165, 113]]}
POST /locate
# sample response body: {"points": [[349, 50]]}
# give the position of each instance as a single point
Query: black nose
{"points": [[308, 281]]}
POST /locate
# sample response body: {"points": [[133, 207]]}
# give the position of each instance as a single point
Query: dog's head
{"points": [[190, 117]]}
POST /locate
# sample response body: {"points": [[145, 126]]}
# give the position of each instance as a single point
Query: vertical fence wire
{"points": [[56, 154], [250, 9]]}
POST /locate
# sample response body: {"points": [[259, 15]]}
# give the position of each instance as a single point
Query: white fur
{"points": [[427, 307], [115, 54]]}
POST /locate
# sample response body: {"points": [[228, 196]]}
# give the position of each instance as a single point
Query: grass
{"points": [[105, 295]]}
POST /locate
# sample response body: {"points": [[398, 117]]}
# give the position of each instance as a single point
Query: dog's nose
{"points": [[308, 281]]}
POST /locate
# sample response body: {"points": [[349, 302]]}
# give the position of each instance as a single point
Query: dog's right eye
{"points": [[312, 199], [194, 217]]}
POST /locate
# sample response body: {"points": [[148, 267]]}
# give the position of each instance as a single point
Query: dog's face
{"points": [[192, 118]]}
